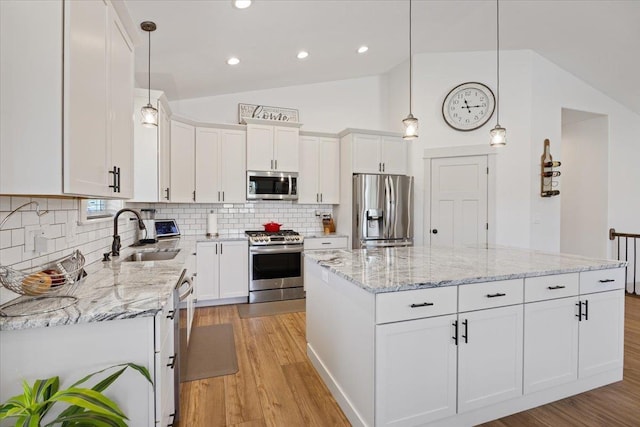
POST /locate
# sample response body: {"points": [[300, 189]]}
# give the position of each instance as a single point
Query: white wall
{"points": [[583, 183], [554, 89], [323, 107], [434, 76]]}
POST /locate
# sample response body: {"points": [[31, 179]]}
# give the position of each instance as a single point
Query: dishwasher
{"points": [[182, 293]]}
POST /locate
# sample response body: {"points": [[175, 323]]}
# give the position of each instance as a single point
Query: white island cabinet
{"points": [[457, 337]]}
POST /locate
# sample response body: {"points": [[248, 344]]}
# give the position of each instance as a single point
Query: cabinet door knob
{"points": [[171, 314], [167, 191], [172, 359], [455, 332], [434, 231], [465, 323]]}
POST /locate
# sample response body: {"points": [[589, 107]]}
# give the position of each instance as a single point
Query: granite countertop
{"points": [[398, 269], [115, 289]]}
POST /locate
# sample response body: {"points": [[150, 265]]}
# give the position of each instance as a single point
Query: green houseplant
{"points": [[87, 406]]}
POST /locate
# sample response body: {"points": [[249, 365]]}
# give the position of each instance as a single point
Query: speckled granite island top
{"points": [[399, 269], [118, 289]]}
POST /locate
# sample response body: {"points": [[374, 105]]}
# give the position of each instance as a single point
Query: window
{"points": [[97, 210]]}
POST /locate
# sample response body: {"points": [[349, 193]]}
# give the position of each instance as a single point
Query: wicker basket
{"points": [[58, 277]]}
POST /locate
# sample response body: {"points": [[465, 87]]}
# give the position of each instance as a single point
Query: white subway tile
{"points": [[5, 239]]}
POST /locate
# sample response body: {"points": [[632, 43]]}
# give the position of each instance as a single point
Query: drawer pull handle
{"points": [[551, 288], [606, 280], [173, 361], [173, 417], [326, 243], [423, 304], [586, 310], [498, 294], [171, 314], [466, 331]]}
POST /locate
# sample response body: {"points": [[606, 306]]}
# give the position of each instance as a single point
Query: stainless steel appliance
{"points": [[275, 265], [272, 186], [148, 235], [382, 210], [181, 292]]}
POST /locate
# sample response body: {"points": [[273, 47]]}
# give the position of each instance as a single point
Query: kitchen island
{"points": [[443, 336]]}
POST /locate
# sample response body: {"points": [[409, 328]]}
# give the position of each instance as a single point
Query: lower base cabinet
{"points": [[415, 371], [223, 270], [82, 348]]}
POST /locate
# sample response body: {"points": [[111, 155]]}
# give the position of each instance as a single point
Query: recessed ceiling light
{"points": [[303, 54], [233, 61], [363, 49], [241, 4]]}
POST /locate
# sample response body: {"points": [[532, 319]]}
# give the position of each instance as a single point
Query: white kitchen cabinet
{"points": [[489, 356], [325, 242], [601, 332], [182, 176], [220, 165], [415, 371], [86, 347], [223, 270], [151, 150], [379, 154], [82, 88], [319, 181], [551, 343], [272, 147]]}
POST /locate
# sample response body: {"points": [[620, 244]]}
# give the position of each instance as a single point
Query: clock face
{"points": [[468, 106]]}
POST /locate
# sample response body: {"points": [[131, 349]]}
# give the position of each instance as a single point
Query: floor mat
{"points": [[211, 353], [270, 308]]}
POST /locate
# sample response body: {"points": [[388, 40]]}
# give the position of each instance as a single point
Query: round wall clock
{"points": [[468, 106]]}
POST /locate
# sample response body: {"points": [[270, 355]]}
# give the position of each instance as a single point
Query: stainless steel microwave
{"points": [[272, 185]]}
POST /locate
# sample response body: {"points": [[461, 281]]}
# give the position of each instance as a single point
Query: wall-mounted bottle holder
{"points": [[548, 185]]}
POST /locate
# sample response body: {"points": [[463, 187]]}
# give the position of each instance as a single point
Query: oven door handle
{"points": [[273, 250]]}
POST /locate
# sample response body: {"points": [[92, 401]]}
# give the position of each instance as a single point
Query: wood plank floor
{"points": [[276, 385]]}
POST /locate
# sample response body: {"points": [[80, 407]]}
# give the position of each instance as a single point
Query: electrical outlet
{"points": [[42, 244], [30, 233]]}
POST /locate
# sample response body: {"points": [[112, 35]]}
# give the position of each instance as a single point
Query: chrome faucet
{"points": [[115, 245]]}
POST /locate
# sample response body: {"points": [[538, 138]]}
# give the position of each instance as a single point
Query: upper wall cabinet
{"points": [[67, 100], [319, 170], [379, 154], [183, 154], [272, 146], [151, 150], [220, 165]]}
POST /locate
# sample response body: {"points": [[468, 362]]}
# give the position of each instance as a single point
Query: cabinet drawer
{"points": [[550, 287], [476, 296], [325, 243], [601, 280], [407, 305]]}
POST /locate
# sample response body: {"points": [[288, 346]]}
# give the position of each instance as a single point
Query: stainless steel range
{"points": [[275, 265]]}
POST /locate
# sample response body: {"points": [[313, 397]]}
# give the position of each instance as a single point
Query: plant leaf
{"points": [[138, 368], [89, 418], [144, 371], [89, 399], [44, 389], [27, 392], [28, 420]]}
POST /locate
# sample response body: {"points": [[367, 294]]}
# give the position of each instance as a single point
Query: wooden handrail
{"points": [[613, 234]]}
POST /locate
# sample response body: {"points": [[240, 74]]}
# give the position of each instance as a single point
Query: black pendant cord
{"points": [[498, 62], [410, 65], [149, 70]]}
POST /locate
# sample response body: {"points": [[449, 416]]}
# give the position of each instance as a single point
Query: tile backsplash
{"points": [[236, 218], [61, 229]]}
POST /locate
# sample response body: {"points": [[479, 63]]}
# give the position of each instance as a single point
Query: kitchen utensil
{"points": [[271, 226]]}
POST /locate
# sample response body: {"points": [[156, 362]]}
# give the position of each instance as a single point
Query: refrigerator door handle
{"points": [[387, 202]]}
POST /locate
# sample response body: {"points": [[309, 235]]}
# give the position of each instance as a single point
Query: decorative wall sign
{"points": [[266, 113]]}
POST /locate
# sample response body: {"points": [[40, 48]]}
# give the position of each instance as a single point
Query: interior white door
{"points": [[459, 201]]}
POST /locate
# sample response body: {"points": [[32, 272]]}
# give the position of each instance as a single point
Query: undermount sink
{"points": [[152, 255]]}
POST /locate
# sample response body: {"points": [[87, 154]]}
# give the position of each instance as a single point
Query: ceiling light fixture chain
{"points": [[410, 123], [498, 135], [149, 113]]}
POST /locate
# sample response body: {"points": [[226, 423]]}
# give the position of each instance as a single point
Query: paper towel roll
{"points": [[212, 224]]}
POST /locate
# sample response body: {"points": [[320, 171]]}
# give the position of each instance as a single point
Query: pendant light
{"points": [[149, 113], [410, 123], [498, 134]]}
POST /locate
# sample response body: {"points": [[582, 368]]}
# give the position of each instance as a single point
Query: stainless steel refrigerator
{"points": [[382, 210]]}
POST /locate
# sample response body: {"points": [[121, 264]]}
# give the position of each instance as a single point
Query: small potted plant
{"points": [[87, 406]]}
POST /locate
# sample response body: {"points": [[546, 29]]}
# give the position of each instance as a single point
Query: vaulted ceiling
{"points": [[598, 41]]}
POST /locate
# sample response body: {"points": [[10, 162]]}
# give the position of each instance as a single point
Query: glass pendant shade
{"points": [[149, 116], [410, 127], [498, 136]]}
